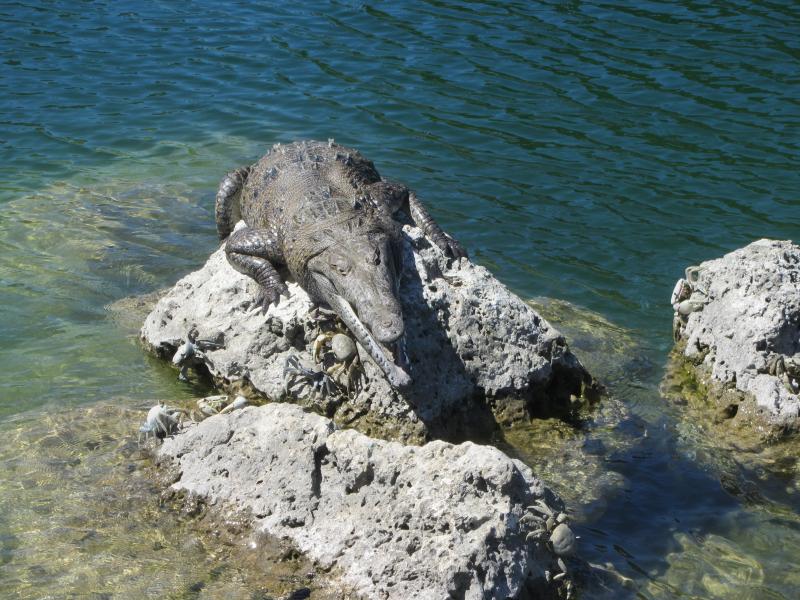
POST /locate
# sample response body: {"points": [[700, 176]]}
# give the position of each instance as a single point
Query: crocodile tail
{"points": [[227, 211]]}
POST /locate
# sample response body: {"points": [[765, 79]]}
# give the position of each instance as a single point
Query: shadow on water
{"points": [[642, 520]]}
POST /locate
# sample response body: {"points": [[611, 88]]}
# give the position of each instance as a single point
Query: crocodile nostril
{"points": [[388, 330]]}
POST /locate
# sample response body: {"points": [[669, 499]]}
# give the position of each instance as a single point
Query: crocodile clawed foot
{"points": [[453, 248], [269, 296]]}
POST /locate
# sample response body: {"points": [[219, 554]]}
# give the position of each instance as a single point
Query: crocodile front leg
{"points": [[254, 253]]}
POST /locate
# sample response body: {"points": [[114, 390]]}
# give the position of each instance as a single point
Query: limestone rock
{"points": [[433, 521], [742, 327], [471, 345]]}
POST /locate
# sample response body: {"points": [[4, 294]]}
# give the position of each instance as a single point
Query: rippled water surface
{"points": [[582, 151]]}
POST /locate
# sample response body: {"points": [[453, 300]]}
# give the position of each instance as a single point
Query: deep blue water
{"points": [[583, 151]]}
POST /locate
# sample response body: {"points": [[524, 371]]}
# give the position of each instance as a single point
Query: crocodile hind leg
{"points": [[226, 209], [254, 252], [395, 196], [422, 218]]}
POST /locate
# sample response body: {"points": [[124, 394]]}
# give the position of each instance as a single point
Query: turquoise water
{"points": [[583, 151]]}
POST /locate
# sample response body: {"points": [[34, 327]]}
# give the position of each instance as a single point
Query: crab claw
{"points": [[535, 536], [530, 519], [238, 402], [540, 506], [689, 306], [319, 344]]}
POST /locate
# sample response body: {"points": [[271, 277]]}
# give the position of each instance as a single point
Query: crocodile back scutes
{"points": [[312, 196]]}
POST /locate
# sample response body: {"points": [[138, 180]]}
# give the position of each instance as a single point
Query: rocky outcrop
{"points": [[434, 521], [472, 347], [737, 321]]}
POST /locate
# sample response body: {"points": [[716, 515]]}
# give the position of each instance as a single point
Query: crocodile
{"points": [[322, 212]]}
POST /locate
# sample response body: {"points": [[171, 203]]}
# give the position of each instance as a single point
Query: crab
{"points": [[682, 291], [297, 378], [338, 354], [334, 349], [162, 421], [335, 368], [191, 351], [687, 297], [552, 530], [787, 369], [217, 405], [211, 405]]}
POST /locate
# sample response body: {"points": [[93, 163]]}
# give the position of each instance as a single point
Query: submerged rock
{"points": [[737, 325], [472, 347], [432, 521]]}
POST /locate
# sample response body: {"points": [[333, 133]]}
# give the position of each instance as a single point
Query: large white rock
{"points": [[750, 316], [470, 342], [425, 522]]}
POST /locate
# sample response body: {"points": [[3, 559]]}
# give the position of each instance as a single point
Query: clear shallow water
{"points": [[584, 152], [80, 517]]}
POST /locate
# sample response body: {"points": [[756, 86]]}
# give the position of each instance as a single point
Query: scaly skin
{"points": [[323, 211]]}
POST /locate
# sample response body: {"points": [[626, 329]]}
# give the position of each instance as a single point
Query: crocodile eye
{"points": [[340, 264], [376, 257]]}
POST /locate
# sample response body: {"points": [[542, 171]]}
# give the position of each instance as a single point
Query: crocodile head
{"points": [[364, 272], [359, 280]]}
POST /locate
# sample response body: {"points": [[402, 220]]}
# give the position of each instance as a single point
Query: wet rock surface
{"points": [[737, 326], [473, 348], [435, 521]]}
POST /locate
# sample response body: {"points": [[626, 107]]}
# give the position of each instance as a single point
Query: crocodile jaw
{"points": [[395, 374]]}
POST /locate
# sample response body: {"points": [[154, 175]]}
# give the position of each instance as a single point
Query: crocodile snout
{"points": [[388, 329]]}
